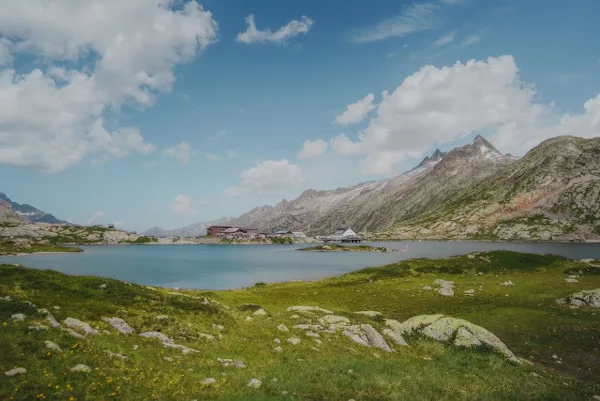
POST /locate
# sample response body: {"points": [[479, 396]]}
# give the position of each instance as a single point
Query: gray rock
{"points": [[335, 320], [467, 292], [18, 317], [119, 324], [427, 288], [370, 313], [308, 309], [161, 318], [312, 334], [209, 381], [277, 341], [260, 312], [53, 322], [366, 336], [571, 280], [458, 332], [168, 359], [52, 346], [80, 326], [15, 372], [157, 335], [507, 284], [103, 286], [294, 340], [444, 283], [584, 299], [395, 337], [231, 363], [316, 327], [208, 337], [446, 291], [81, 368], [73, 333], [185, 350], [254, 383], [218, 327], [38, 327], [115, 355], [281, 327], [278, 349]]}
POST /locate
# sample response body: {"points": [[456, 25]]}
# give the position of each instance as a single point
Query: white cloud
{"points": [[471, 40], [183, 152], [93, 218], [182, 204], [416, 17], [119, 53], [268, 177], [232, 154], [212, 157], [439, 105], [356, 112], [254, 35], [312, 149], [446, 39]]}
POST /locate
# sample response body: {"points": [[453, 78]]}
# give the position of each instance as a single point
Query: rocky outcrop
{"points": [[81, 327], [457, 332], [583, 299]]}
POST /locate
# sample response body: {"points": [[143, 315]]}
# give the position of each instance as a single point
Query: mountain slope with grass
{"points": [[74, 337], [553, 193]]}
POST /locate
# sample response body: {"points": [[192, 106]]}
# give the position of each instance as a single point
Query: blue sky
{"points": [[195, 123]]}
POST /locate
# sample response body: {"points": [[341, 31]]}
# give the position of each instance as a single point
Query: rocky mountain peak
{"points": [[484, 145], [435, 157]]}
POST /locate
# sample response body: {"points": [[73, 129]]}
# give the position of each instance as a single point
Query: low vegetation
{"points": [[344, 248], [242, 325], [9, 248]]}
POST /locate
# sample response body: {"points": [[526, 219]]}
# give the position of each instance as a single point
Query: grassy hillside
{"points": [[561, 343]]}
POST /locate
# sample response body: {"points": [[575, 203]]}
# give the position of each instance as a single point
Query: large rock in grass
{"points": [[367, 336], [309, 309], [119, 324], [80, 326], [458, 332], [583, 299]]}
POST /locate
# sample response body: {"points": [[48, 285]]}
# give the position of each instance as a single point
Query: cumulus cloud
{"points": [[439, 105], [108, 53], [356, 112], [312, 149], [183, 152], [268, 177], [232, 154], [182, 204], [446, 39], [414, 18], [442, 105], [93, 218], [254, 35], [212, 157]]}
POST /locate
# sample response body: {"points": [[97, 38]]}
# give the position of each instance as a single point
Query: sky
{"points": [[169, 112]]}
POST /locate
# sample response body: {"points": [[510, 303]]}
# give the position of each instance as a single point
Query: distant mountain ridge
{"points": [[31, 213]]}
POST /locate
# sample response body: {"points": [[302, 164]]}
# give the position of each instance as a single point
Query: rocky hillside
{"points": [[31, 213], [553, 193], [8, 215], [375, 206]]}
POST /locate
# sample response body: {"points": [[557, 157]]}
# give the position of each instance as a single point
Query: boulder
{"points": [[157, 335], [583, 299], [15, 372], [571, 280], [260, 312], [119, 324], [309, 309], [507, 284], [395, 337], [281, 327], [294, 340], [254, 383], [53, 322], [209, 381], [81, 368], [328, 320], [231, 363], [52, 346], [367, 336], [446, 291], [18, 317], [80, 326], [458, 332]]}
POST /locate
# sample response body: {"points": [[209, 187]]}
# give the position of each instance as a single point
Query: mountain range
{"points": [[28, 212], [471, 192]]}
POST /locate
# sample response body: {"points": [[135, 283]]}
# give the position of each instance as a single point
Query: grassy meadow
{"points": [[562, 344]]}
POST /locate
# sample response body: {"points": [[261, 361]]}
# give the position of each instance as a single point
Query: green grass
{"points": [[597, 229], [10, 248], [528, 320]]}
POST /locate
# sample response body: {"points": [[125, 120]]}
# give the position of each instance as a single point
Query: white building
{"points": [[344, 232]]}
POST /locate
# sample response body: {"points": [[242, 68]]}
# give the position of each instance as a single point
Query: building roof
{"points": [[232, 230]]}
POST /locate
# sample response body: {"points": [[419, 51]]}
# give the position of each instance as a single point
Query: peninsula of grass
{"points": [[7, 248], [344, 248], [253, 326]]}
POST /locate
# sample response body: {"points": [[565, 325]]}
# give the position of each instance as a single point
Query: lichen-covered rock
{"points": [[334, 320], [119, 324], [231, 363], [157, 335], [395, 337], [308, 309], [294, 340], [260, 312], [446, 291], [254, 383], [52, 346], [18, 317], [77, 324], [369, 313], [15, 372], [367, 336], [52, 320], [583, 299], [81, 368], [458, 332], [283, 328], [316, 327]]}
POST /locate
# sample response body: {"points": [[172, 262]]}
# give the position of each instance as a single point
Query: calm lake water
{"points": [[235, 266]]}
